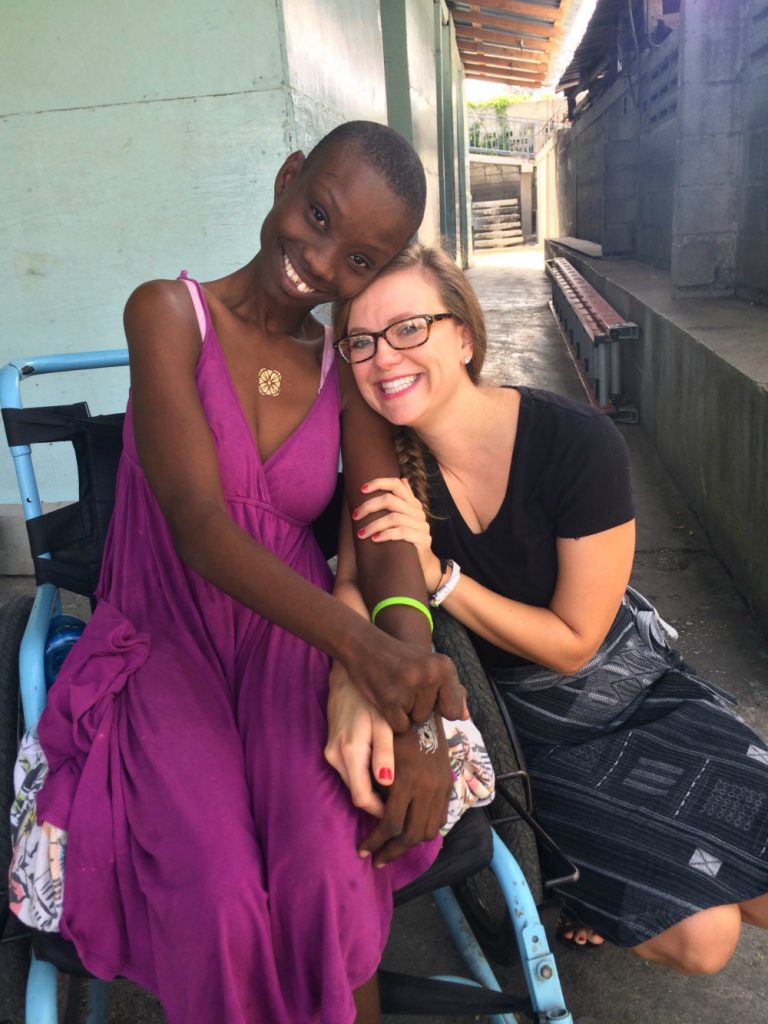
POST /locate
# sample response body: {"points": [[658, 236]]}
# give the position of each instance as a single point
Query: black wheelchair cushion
{"points": [[406, 994], [467, 849], [55, 949]]}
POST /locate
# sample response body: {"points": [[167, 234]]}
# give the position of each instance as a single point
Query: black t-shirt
{"points": [[569, 478]]}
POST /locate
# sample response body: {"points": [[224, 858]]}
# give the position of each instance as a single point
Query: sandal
{"points": [[565, 924]]}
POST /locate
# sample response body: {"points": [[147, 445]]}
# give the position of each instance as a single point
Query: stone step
{"points": [[509, 233], [504, 211], [490, 243], [491, 222], [487, 203]]}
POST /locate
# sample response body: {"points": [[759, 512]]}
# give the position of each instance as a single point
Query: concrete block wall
{"points": [[492, 180], [589, 182], [676, 149], [565, 170], [616, 165], [656, 177], [709, 147], [656, 158], [699, 377], [752, 255]]}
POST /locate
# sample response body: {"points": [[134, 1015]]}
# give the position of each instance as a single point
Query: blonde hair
{"points": [[458, 297]]}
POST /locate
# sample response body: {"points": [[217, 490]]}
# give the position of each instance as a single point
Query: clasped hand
{"points": [[406, 682], [417, 784]]}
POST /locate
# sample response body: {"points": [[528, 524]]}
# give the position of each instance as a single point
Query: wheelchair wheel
{"points": [[480, 896], [14, 952]]}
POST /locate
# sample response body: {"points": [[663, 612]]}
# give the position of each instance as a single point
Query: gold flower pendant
{"points": [[269, 382]]}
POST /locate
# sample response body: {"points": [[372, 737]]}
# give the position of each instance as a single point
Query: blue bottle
{"points": [[63, 632]]}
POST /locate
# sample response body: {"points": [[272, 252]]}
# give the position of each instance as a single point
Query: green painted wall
{"points": [[424, 80], [137, 139]]}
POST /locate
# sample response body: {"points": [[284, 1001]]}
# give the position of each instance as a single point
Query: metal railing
{"points": [[495, 133]]}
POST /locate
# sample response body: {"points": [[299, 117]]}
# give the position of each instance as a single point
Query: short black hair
{"points": [[387, 152]]}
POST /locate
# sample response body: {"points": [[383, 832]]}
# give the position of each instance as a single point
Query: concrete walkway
{"points": [[677, 570]]}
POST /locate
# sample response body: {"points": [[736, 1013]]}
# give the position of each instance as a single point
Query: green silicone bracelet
{"points": [[410, 602]]}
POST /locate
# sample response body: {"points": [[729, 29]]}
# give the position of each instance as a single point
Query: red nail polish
{"points": [[375, 536], [364, 487], [355, 514], [361, 532], [385, 774]]}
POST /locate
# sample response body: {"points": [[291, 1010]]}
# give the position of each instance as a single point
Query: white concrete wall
{"points": [[547, 214]]}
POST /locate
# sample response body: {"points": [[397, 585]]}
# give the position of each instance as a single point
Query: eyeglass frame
{"points": [[431, 318]]}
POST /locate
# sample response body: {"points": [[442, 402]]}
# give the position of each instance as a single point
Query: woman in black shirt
{"points": [[518, 502]]}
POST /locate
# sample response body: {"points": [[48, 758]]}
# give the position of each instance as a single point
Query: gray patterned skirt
{"points": [[646, 778]]}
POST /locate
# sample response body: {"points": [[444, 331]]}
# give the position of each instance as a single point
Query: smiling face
{"points": [[333, 226], [411, 387]]}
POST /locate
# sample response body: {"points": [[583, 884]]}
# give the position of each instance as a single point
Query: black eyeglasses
{"points": [[402, 334]]}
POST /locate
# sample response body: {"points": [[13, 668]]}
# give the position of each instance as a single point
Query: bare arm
{"points": [[366, 444], [593, 573], [360, 741], [366, 441], [361, 745]]}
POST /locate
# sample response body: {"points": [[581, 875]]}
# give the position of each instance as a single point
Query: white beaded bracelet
{"points": [[442, 592]]}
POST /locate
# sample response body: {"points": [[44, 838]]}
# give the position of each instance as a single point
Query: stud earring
{"points": [[468, 359]]}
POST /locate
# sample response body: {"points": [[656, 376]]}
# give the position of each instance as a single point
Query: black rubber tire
{"points": [[13, 620], [480, 896]]}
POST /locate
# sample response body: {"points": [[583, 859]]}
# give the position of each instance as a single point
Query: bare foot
{"points": [[577, 935]]}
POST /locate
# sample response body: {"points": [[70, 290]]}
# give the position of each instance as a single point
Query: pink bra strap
{"points": [[194, 293], [329, 356]]}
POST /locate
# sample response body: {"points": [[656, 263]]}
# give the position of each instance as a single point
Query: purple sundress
{"points": [[211, 850]]}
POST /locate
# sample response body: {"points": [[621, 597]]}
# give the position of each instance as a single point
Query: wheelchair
{"points": [[486, 881]]}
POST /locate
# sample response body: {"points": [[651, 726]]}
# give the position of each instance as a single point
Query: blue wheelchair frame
{"points": [[539, 968]]}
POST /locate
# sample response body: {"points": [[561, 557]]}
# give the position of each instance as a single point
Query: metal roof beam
{"points": [[510, 74], [545, 12], [540, 46], [511, 28], [513, 56]]}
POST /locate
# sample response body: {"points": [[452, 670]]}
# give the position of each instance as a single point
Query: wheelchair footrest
{"points": [[404, 993]]}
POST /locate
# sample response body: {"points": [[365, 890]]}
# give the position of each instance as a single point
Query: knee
{"points": [[701, 944], [687, 959], [701, 960]]}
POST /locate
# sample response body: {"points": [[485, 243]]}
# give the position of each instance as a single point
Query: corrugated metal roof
{"points": [[597, 51]]}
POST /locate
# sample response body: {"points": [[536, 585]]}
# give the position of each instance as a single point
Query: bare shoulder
{"points": [[159, 315], [159, 298]]}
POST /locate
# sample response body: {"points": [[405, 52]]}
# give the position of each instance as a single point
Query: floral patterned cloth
{"points": [[473, 777], [36, 878]]}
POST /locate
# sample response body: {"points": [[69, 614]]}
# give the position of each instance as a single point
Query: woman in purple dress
{"points": [[212, 854]]}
